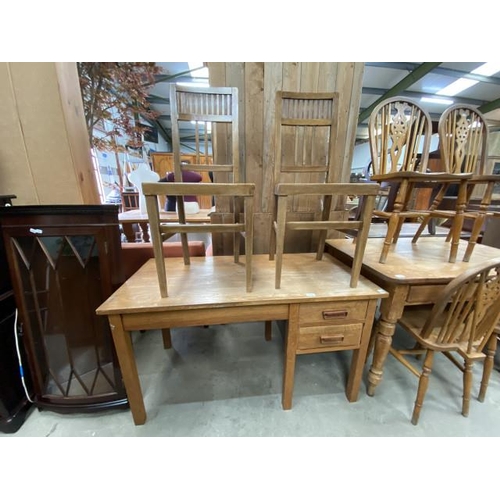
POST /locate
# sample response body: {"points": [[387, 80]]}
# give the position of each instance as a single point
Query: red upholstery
{"points": [[134, 255]]}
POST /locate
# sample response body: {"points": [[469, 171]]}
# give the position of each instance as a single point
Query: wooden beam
{"points": [[406, 82], [490, 106]]}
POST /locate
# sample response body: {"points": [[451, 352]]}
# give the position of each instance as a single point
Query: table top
{"points": [[134, 216], [218, 282], [423, 262]]}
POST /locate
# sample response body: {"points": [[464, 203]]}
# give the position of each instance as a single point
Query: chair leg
{"points": [[280, 239], [421, 228], [456, 230], [399, 226], [391, 229], [476, 229], [467, 387], [184, 239], [458, 221], [488, 366], [249, 222], [422, 386], [272, 234], [327, 206]]}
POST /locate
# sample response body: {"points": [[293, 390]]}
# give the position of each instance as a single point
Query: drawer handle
{"points": [[331, 339], [334, 314]]}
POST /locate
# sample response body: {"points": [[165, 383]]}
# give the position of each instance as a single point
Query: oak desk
{"points": [[413, 274], [323, 312], [126, 219]]}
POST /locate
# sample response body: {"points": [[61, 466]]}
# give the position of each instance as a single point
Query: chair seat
{"points": [[413, 321]]}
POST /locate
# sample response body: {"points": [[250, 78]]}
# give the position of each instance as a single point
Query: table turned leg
{"points": [[145, 231], [290, 356], [126, 358], [391, 309], [128, 231]]}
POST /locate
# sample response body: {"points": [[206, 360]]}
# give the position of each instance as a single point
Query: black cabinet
{"points": [[64, 261], [14, 403]]}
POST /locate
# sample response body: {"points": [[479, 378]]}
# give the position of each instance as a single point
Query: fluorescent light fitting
{"points": [[457, 86], [486, 69], [436, 100]]}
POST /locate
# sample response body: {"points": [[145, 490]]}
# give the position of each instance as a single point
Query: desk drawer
{"points": [[335, 336], [332, 312]]}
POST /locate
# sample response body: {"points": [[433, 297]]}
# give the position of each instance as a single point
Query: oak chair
{"points": [[366, 192], [399, 134], [460, 325], [463, 138], [161, 231]]}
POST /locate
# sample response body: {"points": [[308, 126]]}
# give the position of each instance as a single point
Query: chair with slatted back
{"points": [[162, 230], [463, 139], [460, 324], [399, 134], [213, 111], [326, 192]]}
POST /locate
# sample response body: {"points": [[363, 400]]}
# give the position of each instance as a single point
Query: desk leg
{"points": [[167, 338], [290, 355], [268, 333], [391, 310], [126, 358], [359, 356]]}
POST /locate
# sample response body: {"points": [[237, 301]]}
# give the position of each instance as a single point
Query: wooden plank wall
{"points": [[258, 83], [44, 153]]}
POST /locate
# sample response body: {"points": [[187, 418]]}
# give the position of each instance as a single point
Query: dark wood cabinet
{"points": [[64, 261]]}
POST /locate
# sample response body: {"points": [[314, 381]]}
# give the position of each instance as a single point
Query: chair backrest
{"points": [[399, 132], [467, 310], [306, 131], [463, 137], [130, 201], [214, 112]]}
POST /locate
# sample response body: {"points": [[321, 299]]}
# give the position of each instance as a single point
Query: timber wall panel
{"points": [[44, 153], [258, 84]]}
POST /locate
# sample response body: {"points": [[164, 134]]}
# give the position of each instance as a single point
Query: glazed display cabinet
{"points": [[64, 261]]}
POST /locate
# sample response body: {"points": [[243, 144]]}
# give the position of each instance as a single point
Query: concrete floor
{"points": [[226, 381]]}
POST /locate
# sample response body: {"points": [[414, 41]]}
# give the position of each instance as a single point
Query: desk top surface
{"points": [[218, 282], [423, 262], [137, 216]]}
